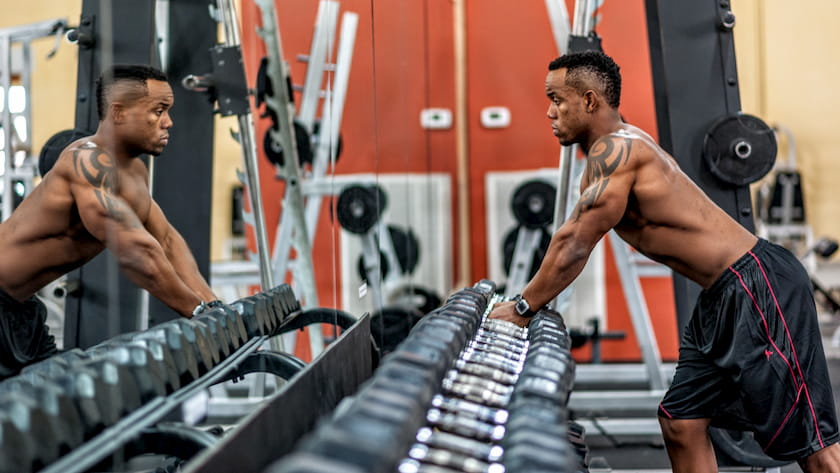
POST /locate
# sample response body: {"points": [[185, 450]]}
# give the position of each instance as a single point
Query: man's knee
{"points": [[685, 432]]}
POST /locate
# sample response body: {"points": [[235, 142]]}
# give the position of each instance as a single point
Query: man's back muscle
{"points": [[669, 218], [46, 237]]}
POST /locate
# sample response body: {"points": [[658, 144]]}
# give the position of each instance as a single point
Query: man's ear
{"points": [[590, 101], [117, 112]]}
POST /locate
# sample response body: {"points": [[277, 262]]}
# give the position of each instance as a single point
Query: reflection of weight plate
{"points": [[736, 448], [415, 297], [316, 135], [358, 207], [55, 145], [538, 253], [739, 149], [407, 248], [274, 152], [306, 145], [533, 204], [391, 325]]}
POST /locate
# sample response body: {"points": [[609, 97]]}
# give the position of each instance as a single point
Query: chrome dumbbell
{"points": [[486, 372], [481, 450], [466, 426], [478, 394], [470, 409], [486, 359], [488, 384], [448, 459]]}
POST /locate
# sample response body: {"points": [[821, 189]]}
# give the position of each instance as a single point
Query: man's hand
{"points": [[505, 311], [205, 306]]}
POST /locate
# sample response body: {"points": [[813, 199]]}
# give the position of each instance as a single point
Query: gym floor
{"points": [[638, 455]]}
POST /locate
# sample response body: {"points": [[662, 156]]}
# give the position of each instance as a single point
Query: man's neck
{"points": [[602, 125], [105, 138]]}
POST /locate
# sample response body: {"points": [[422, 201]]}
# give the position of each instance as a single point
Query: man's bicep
{"points": [[157, 224], [602, 204]]}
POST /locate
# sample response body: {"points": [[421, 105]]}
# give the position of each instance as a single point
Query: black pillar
{"points": [[183, 174], [695, 82], [107, 303]]}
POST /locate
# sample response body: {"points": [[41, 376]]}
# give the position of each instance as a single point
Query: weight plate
{"points": [[739, 149], [316, 135], [54, 146], [358, 208], [274, 152], [533, 203], [407, 247], [509, 246]]}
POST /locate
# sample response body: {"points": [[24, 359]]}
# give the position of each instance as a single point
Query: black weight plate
{"points": [[274, 152], [54, 146], [391, 325], [533, 203], [739, 149], [358, 208], [407, 248], [509, 247], [413, 296], [316, 135]]}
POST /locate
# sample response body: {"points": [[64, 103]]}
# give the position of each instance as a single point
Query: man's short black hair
{"points": [[592, 65], [123, 72]]}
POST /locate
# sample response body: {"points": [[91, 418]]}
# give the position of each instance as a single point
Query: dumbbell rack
{"points": [[461, 393], [69, 412]]}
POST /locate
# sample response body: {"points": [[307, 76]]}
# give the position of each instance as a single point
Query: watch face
{"points": [[521, 306]]}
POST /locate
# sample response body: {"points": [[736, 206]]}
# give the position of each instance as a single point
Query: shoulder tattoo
{"points": [[99, 170], [605, 156]]}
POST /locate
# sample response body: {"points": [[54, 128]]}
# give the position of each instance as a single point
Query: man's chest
{"points": [[134, 191]]}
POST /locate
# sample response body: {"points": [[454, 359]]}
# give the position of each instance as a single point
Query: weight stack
{"points": [[462, 393]]}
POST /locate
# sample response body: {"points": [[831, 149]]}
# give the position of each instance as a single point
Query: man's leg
{"points": [[825, 460], [688, 444]]}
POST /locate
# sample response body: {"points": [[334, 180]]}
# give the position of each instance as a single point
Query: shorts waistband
{"points": [[728, 276], [10, 301]]}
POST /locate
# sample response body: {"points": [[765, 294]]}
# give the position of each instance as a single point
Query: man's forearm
{"points": [[185, 266], [562, 263], [152, 271]]}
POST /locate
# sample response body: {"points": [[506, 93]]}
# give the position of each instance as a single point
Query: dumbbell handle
{"points": [[483, 413], [486, 372], [485, 359], [488, 384], [465, 426], [468, 446], [448, 458], [477, 394]]}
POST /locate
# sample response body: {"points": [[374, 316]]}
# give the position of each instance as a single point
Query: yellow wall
{"points": [[227, 158], [53, 80], [788, 67]]}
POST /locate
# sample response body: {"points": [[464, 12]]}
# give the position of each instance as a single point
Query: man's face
{"points": [[566, 111], [147, 119]]}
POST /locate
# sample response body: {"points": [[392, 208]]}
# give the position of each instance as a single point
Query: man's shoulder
{"points": [[628, 140]]}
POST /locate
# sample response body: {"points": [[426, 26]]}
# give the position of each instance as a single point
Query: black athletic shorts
{"points": [[24, 335], [751, 357]]}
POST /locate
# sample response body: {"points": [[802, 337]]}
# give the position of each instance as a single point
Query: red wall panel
{"points": [[404, 62]]}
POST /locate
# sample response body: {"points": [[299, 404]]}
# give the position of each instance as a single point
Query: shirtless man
{"points": [[751, 356], [97, 196]]}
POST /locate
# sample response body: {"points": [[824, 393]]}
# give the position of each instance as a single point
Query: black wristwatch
{"points": [[522, 307]]}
